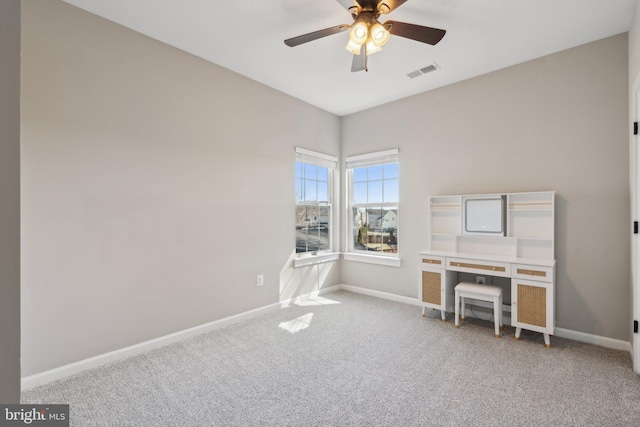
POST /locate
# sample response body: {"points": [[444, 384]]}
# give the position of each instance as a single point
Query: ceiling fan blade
{"points": [[359, 62], [415, 32], [392, 5], [305, 38]]}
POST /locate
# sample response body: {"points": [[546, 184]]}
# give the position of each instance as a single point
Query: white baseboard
{"points": [[380, 294], [593, 339], [102, 359], [112, 356], [559, 332]]}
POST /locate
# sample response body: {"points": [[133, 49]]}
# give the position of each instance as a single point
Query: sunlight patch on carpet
{"points": [[314, 301], [298, 324]]}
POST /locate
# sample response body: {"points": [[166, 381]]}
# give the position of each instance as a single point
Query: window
{"points": [[373, 203], [314, 197]]}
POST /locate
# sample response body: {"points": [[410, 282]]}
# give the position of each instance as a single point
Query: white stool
{"points": [[482, 292]]}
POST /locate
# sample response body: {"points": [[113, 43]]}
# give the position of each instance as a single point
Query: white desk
{"points": [[532, 285]]}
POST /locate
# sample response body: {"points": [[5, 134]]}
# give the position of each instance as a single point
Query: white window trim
{"points": [[315, 158], [372, 159], [372, 259], [359, 161], [304, 259], [321, 258]]}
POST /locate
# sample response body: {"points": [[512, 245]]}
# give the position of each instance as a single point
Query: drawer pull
{"points": [[432, 261], [478, 266], [532, 272]]}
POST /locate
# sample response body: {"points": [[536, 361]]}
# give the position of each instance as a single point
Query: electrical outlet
{"points": [[481, 280], [260, 280]]}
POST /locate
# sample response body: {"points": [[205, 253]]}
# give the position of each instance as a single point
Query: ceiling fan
{"points": [[367, 35]]}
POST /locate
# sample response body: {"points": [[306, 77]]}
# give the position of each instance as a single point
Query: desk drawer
{"points": [[474, 266], [433, 261], [533, 272]]}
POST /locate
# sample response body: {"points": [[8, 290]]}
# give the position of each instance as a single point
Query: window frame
{"points": [[330, 163], [363, 161]]}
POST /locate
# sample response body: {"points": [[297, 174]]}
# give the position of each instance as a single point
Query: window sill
{"points": [[373, 259], [316, 259]]}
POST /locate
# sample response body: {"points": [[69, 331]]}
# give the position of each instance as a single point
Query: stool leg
{"points": [[462, 307], [501, 313], [496, 316], [457, 308]]}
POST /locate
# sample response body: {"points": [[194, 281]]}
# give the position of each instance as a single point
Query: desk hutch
{"points": [[524, 253]]}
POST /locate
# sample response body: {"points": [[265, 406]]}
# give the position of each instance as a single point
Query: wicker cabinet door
{"points": [[431, 287], [533, 304]]}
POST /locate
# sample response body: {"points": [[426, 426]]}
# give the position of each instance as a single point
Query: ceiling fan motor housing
{"points": [[375, 6]]}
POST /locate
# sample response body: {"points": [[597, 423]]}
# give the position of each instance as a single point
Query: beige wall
{"points": [[10, 201], [555, 123], [156, 186]]}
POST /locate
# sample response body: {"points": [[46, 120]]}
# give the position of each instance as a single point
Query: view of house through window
{"points": [[313, 203], [374, 206]]}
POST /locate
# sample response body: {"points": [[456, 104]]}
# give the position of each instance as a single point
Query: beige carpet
{"points": [[348, 359]]}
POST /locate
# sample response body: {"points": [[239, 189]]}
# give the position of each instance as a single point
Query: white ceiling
{"points": [[482, 36]]}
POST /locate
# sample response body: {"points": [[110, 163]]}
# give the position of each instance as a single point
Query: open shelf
{"points": [[539, 201], [443, 242], [535, 248], [529, 227], [530, 223]]}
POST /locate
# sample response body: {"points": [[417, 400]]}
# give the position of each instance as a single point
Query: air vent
{"points": [[423, 71]]}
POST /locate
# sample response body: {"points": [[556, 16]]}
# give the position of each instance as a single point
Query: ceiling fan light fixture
{"points": [[359, 33], [379, 34], [353, 47], [372, 47]]}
